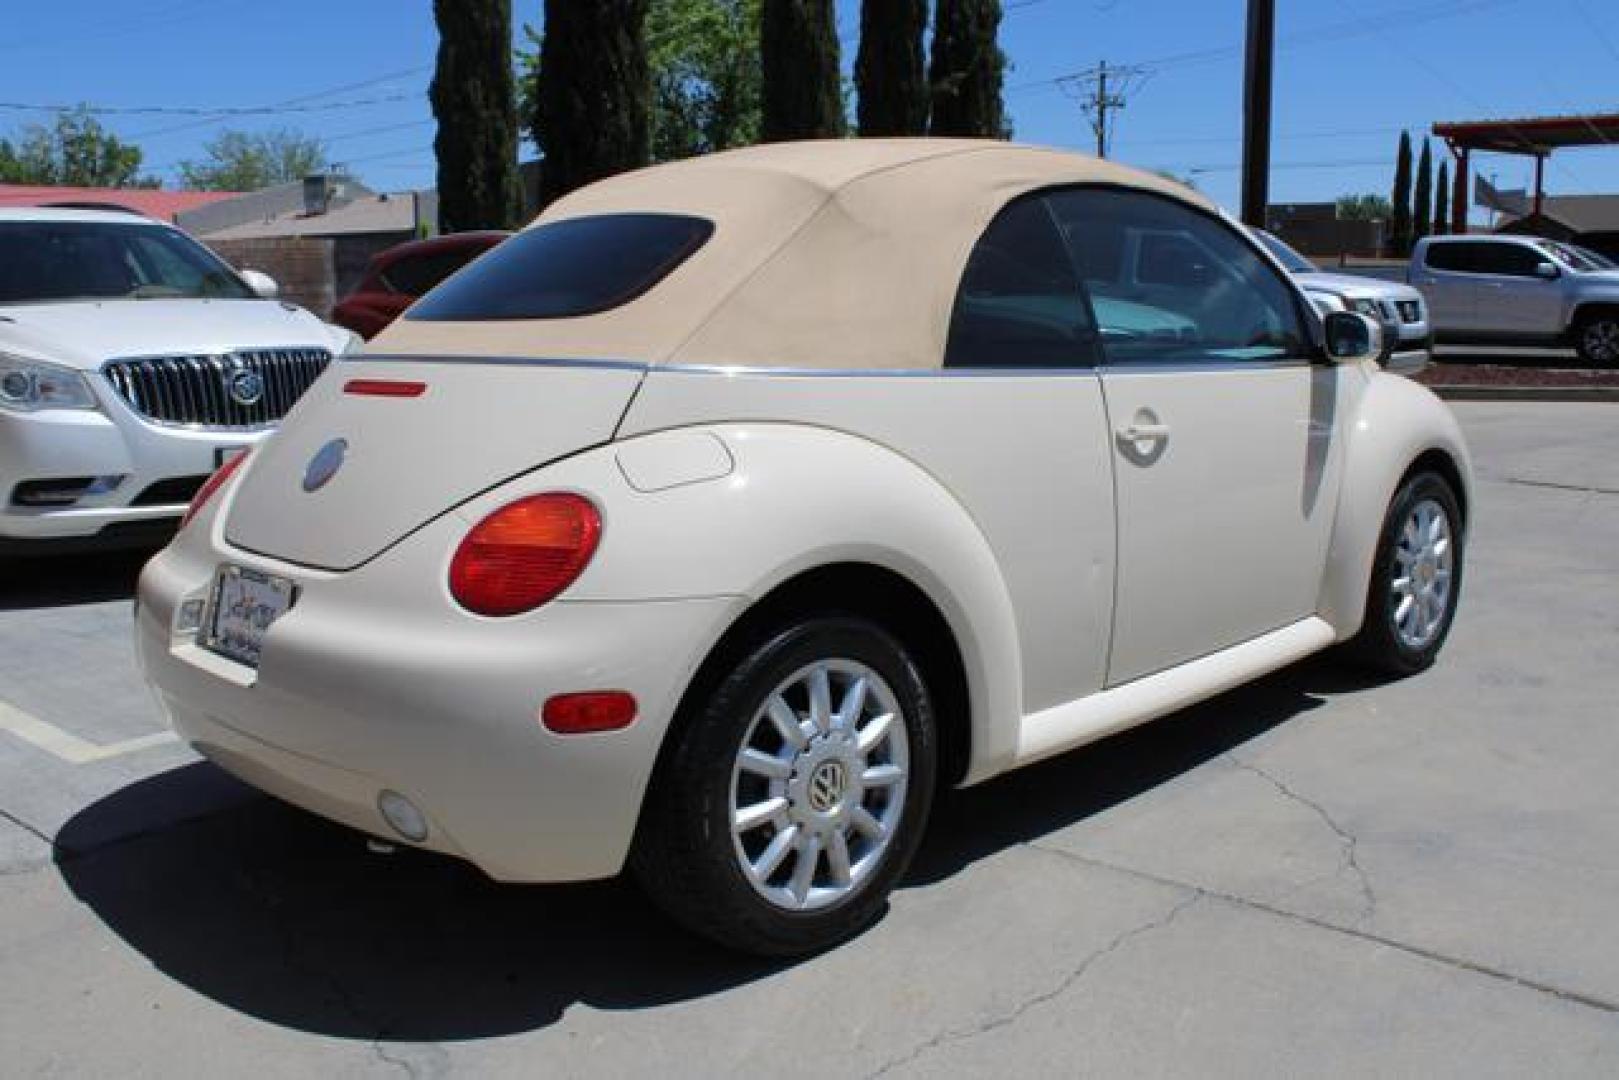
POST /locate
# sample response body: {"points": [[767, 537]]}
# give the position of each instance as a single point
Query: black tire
{"points": [[1596, 338], [1380, 645], [686, 859]]}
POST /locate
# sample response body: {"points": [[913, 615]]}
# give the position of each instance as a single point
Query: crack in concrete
{"points": [[1584, 489], [959, 1035], [25, 827], [1571, 997], [1351, 853], [293, 962]]}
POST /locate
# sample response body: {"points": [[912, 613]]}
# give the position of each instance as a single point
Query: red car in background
{"points": [[396, 277]]}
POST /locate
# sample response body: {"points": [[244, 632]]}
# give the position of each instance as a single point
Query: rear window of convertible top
{"points": [[579, 266]]}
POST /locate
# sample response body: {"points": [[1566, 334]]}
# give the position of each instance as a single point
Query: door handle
{"points": [[1138, 433]]}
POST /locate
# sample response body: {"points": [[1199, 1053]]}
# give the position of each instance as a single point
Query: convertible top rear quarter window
{"points": [[565, 269]]}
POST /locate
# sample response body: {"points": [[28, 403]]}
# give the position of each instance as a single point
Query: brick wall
{"points": [[303, 267]]}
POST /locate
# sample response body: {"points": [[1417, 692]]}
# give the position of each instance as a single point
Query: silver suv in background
{"points": [[1520, 290], [1407, 335]]}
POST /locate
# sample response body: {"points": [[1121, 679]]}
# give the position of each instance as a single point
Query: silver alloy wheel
{"points": [[818, 788], [1424, 559], [1601, 340]]}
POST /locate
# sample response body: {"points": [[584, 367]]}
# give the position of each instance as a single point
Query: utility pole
{"points": [[1256, 110], [1101, 91]]}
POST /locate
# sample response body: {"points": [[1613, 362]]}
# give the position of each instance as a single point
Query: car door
{"points": [[1512, 297], [1222, 425], [1448, 284]]}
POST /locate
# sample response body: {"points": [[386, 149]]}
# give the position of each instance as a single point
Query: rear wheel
{"points": [[1416, 579], [795, 798], [1596, 338]]}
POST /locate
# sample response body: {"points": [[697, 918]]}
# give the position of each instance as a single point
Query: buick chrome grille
{"points": [[248, 388]]}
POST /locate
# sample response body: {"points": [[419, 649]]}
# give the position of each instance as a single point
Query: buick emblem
{"points": [[245, 387], [324, 465], [826, 786]]}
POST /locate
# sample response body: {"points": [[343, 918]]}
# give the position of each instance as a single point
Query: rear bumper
{"points": [[375, 681]]}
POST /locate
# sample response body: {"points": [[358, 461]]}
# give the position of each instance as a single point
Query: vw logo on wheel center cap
{"points": [[826, 786], [325, 464]]}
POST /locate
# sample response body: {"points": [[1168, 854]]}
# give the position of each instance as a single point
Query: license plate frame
{"points": [[242, 606]]}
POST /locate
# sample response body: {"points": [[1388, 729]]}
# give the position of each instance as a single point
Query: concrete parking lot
{"points": [[1316, 874]]}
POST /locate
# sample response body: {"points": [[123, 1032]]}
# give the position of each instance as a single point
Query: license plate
{"points": [[245, 604]]}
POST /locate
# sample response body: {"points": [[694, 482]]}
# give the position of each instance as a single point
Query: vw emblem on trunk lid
{"points": [[324, 465]]}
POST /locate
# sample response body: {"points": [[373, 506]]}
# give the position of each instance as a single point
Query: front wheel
{"points": [[795, 797], [1416, 579], [1596, 339]]}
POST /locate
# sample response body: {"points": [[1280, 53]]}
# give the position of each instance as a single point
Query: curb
{"points": [[1527, 393]]}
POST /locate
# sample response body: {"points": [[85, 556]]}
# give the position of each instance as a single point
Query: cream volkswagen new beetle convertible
{"points": [[708, 525]]}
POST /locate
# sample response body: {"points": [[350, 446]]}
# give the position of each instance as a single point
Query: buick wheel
{"points": [[1416, 578], [795, 797]]}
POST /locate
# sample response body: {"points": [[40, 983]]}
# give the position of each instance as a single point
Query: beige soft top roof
{"points": [[836, 254]]}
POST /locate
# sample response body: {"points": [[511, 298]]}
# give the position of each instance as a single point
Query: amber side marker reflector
{"points": [[384, 388], [585, 714]]}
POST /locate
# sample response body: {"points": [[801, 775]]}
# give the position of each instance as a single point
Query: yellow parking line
{"points": [[67, 746]]}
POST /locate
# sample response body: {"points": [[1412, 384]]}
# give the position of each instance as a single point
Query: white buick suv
{"points": [[132, 363]]}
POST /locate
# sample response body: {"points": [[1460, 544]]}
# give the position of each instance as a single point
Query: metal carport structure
{"points": [[1533, 137]]}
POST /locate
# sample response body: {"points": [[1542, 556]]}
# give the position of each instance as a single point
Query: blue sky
{"points": [[1350, 74]]}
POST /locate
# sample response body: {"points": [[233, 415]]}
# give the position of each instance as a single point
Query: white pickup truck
{"points": [[1520, 290]]}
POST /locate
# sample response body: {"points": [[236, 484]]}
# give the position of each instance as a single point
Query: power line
{"points": [[202, 110], [1362, 27]]}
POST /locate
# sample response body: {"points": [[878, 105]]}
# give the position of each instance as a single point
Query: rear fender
{"points": [[736, 510]]}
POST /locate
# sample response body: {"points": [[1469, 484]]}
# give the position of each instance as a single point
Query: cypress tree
{"points": [[1441, 201], [475, 102], [967, 65], [592, 108], [803, 90], [1400, 225], [1422, 201], [889, 72]]}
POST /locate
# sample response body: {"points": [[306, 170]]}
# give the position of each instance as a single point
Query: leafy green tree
{"points": [[967, 69], [247, 161], [474, 97], [1364, 208], [1400, 221], [1441, 201], [1422, 200], [592, 105], [706, 79], [75, 151], [889, 71], [803, 87]]}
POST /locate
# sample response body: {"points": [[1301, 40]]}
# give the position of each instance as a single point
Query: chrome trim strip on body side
{"points": [[756, 371], [502, 361]]}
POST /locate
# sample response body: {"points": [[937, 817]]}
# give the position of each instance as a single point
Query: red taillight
{"points": [[384, 388], [586, 714], [211, 486], [525, 553]]}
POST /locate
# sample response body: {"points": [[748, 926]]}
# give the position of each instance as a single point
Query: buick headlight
{"points": [[29, 386]]}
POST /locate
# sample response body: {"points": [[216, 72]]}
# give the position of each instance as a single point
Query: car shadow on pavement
{"points": [[287, 918], [66, 580]]}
